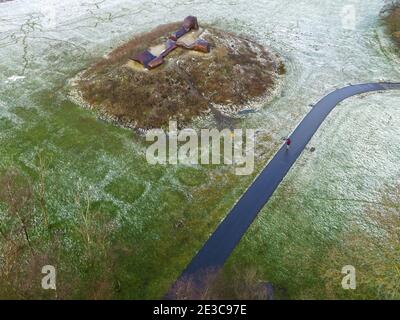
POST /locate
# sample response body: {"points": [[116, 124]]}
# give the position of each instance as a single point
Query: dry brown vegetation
{"points": [[391, 16], [236, 71], [215, 285], [29, 241]]}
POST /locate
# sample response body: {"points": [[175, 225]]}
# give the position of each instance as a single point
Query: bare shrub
{"points": [[18, 254], [16, 194], [215, 285], [84, 270]]}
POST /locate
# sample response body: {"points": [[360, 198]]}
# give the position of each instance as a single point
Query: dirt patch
{"points": [[235, 73]]}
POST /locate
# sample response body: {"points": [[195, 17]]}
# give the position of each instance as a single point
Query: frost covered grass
{"points": [[315, 224]]}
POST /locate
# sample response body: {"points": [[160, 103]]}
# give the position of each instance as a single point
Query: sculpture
{"points": [[189, 23], [200, 45], [150, 61]]}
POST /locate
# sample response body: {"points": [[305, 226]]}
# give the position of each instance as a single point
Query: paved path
{"points": [[228, 234]]}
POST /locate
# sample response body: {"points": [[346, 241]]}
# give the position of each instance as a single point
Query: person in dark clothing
{"points": [[288, 143]]}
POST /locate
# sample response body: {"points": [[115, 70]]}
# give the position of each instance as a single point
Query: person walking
{"points": [[288, 143]]}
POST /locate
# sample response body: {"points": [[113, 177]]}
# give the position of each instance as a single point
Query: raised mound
{"points": [[236, 72]]}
